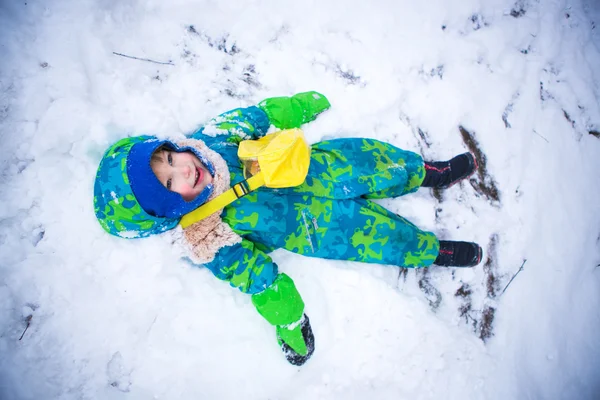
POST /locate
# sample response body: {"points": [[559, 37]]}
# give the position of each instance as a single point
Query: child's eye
{"points": [[170, 159], [169, 184]]}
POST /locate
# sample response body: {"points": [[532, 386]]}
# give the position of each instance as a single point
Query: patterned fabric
{"points": [[331, 215], [116, 208]]}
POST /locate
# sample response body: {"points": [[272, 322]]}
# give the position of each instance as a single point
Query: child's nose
{"points": [[185, 171]]}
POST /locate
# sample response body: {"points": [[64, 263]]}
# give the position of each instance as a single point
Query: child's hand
{"points": [[297, 341], [282, 306]]}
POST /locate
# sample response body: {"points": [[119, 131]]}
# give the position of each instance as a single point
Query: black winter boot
{"points": [[458, 254], [443, 174]]}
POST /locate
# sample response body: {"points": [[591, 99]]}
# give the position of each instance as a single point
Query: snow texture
{"points": [[515, 82]]}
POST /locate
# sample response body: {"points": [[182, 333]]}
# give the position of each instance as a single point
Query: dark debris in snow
{"points": [[4, 110], [432, 72], [438, 210], [490, 267], [402, 274], [437, 71], [486, 329], [439, 196], [508, 109], [525, 51], [231, 92], [464, 291], [431, 292], [28, 324], [481, 319], [483, 183], [568, 118], [349, 76], [234, 86], [222, 43], [544, 94], [519, 9], [478, 21], [465, 310], [249, 76], [424, 137], [37, 235]]}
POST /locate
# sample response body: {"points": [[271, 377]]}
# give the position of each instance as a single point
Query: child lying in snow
{"points": [[145, 185]]}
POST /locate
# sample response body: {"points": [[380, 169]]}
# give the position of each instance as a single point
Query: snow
{"points": [[127, 319]]}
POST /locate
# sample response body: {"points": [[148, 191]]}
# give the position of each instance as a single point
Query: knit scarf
{"points": [[204, 238]]}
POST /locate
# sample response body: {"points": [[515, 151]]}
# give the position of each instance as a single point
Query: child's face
{"points": [[182, 173]]}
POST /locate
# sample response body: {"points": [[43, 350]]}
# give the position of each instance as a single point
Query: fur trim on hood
{"points": [[205, 238]]}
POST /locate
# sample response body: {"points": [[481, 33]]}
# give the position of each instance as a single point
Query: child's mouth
{"points": [[198, 176]]}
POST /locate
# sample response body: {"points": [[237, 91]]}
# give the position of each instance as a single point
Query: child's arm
{"points": [[274, 295], [254, 122], [244, 266], [234, 125]]}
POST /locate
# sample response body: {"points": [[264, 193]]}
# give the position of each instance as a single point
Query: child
{"points": [[145, 185]]}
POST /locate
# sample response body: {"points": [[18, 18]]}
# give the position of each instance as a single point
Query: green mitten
{"points": [[281, 305], [301, 335], [291, 112]]}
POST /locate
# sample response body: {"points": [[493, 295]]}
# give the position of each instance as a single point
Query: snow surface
{"points": [[126, 319]]}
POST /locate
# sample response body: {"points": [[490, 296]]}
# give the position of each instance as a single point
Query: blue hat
{"points": [[153, 197], [115, 205]]}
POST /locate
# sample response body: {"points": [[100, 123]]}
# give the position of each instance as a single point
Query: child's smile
{"points": [[182, 173]]}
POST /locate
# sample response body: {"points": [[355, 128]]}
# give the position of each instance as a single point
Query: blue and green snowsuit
{"points": [[330, 216]]}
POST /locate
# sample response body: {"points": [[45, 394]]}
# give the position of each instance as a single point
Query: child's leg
{"points": [[436, 174], [361, 230], [349, 168], [373, 234], [415, 170], [370, 233]]}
